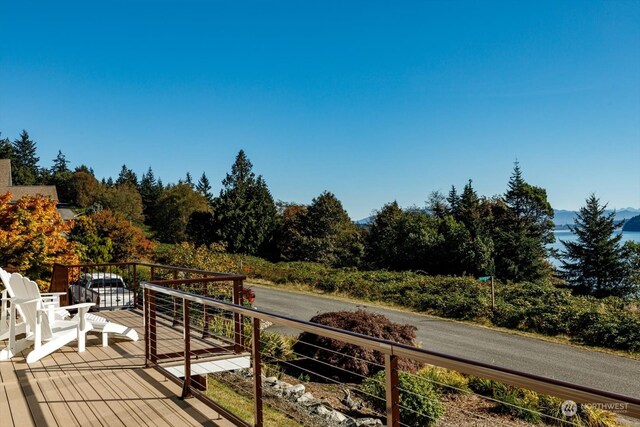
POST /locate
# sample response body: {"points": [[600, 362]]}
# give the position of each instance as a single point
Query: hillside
{"points": [[633, 224], [562, 218]]}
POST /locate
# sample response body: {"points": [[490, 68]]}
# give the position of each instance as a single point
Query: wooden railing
{"points": [[156, 291]]}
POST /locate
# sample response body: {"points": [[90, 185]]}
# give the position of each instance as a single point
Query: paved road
{"points": [[591, 368]]}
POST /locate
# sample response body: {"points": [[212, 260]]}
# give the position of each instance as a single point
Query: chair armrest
{"points": [[78, 306], [53, 294], [19, 301]]}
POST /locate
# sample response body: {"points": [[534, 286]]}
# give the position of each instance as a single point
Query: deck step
{"points": [[212, 366]]}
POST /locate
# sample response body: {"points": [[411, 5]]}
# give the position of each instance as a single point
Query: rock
{"points": [[368, 422], [336, 416], [293, 392], [349, 422], [307, 397], [282, 385], [272, 381], [321, 410]]}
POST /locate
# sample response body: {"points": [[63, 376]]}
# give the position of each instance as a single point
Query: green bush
{"points": [[419, 401], [533, 407], [540, 307], [446, 381]]}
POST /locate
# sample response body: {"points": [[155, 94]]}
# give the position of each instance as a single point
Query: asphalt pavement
{"points": [[560, 361]]}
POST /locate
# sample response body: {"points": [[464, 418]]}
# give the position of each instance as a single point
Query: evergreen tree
{"points": [[328, 234], [523, 229], [204, 188], [127, 176], [244, 213], [188, 179], [60, 176], [6, 149], [595, 263], [25, 162], [60, 164], [453, 199], [150, 191], [382, 245], [437, 204]]}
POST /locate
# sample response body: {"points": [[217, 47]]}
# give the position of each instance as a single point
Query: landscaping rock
{"points": [[368, 422], [272, 381], [306, 397], [293, 392], [349, 422], [336, 417], [322, 410]]}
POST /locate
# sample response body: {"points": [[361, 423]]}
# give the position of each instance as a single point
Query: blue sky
{"points": [[374, 101]]}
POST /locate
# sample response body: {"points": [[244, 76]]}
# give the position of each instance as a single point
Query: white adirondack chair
{"points": [[25, 290], [45, 334], [51, 302]]}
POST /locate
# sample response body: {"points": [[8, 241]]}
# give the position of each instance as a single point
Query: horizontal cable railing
{"points": [[206, 328]]}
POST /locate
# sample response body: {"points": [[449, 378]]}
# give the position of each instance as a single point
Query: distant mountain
{"points": [[632, 224], [364, 222], [562, 218]]}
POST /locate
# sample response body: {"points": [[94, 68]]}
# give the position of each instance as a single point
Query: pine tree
{"points": [[127, 176], [523, 229], [6, 149], [150, 191], [454, 200], [60, 164], [204, 188], [595, 263], [60, 176], [25, 164], [244, 213], [188, 179]]}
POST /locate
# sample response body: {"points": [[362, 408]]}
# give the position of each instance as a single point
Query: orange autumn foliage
{"points": [[33, 236]]}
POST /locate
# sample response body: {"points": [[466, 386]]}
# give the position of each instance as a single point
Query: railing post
{"points": [[175, 302], [153, 337], [153, 273], [147, 330], [391, 387], [257, 374], [136, 286], [186, 386], [237, 320], [205, 292]]}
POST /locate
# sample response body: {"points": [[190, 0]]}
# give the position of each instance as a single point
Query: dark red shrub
{"points": [[350, 358]]}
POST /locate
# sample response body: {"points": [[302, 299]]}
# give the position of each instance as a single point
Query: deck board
{"points": [[103, 386]]}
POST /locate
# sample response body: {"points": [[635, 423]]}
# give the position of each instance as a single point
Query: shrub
{"points": [[349, 357], [534, 407], [419, 401], [276, 346], [446, 381]]}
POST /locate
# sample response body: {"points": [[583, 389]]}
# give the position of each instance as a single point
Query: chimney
{"points": [[5, 173]]}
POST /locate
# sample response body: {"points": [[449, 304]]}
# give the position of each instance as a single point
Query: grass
{"points": [[242, 406]]}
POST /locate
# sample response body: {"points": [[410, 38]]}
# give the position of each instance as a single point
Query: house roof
{"points": [[19, 191]]}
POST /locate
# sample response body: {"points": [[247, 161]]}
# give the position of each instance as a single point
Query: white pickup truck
{"points": [[106, 290]]}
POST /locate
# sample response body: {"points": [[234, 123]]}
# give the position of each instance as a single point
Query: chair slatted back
{"points": [[24, 288]]}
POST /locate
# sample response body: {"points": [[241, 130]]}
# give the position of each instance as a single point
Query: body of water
{"points": [[568, 236]]}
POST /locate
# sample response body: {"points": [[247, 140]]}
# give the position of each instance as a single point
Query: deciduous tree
{"points": [[174, 209], [32, 236]]}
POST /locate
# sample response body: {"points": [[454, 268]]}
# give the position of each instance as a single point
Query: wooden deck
{"points": [[104, 386]]}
